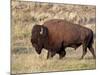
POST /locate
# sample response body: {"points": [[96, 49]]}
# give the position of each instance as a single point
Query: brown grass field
{"points": [[25, 15]]}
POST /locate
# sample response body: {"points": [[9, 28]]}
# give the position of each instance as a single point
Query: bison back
{"points": [[63, 31]]}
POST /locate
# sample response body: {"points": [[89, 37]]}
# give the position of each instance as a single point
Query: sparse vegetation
{"points": [[25, 15]]}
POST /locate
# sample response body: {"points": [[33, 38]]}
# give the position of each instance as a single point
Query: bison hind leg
{"points": [[91, 47], [84, 50], [92, 51], [62, 51]]}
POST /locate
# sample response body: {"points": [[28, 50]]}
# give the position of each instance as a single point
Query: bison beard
{"points": [[57, 34]]}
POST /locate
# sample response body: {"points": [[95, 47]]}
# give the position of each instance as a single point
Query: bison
{"points": [[57, 34]]}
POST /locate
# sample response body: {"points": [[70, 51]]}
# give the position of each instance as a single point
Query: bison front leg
{"points": [[50, 54]]}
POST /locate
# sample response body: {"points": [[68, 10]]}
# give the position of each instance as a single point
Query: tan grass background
{"points": [[25, 15]]}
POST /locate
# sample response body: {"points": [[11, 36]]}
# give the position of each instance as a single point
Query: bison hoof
{"points": [[94, 56], [49, 57], [62, 55]]}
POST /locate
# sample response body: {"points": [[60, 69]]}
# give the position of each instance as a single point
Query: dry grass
{"points": [[30, 63], [25, 15]]}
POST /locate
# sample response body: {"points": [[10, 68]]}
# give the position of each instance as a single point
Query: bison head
{"points": [[39, 37]]}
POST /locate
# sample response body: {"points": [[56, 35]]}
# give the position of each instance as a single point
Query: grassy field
{"points": [[25, 15]]}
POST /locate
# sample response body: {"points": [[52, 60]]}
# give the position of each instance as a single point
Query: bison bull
{"points": [[57, 34]]}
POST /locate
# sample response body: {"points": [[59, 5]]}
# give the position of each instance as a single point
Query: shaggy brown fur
{"points": [[60, 34]]}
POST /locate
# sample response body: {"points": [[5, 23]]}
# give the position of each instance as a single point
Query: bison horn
{"points": [[41, 32]]}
